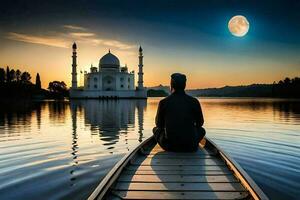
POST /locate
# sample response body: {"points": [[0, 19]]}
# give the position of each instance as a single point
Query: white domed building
{"points": [[109, 80]]}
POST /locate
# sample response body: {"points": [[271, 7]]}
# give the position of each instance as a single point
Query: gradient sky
{"points": [[177, 36]]}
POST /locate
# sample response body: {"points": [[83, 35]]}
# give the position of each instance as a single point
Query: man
{"points": [[179, 119]]}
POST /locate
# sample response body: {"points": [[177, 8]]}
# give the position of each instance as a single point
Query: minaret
{"points": [[141, 74], [74, 66]]}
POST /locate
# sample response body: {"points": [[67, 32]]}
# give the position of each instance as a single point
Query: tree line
{"points": [[287, 88], [11, 76], [16, 84]]}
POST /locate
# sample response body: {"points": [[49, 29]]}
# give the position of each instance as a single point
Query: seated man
{"points": [[179, 119]]}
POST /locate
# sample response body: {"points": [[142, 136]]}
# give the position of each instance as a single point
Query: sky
{"points": [[189, 37]]}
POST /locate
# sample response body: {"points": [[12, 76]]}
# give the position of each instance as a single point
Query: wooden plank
{"points": [[190, 162], [178, 153], [179, 195], [158, 151], [179, 186], [177, 178], [176, 167], [172, 156], [158, 148], [177, 172]]}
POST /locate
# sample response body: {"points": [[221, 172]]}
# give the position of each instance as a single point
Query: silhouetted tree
{"points": [[58, 89], [57, 86], [15, 85], [280, 82], [25, 77], [2, 76], [8, 79], [12, 75], [287, 81], [156, 93], [38, 81], [288, 88], [18, 75]]}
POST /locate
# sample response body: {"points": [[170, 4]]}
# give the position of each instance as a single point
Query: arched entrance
{"points": [[109, 83]]}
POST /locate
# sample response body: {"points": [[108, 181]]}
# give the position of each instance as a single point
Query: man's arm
{"points": [[159, 119], [198, 114]]}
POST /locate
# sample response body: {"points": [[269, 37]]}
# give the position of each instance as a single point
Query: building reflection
{"points": [[110, 118], [141, 106], [74, 143]]}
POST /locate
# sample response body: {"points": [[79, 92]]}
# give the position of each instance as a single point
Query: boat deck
{"points": [[157, 174]]}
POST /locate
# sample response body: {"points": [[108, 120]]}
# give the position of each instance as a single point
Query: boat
{"points": [[149, 172]]}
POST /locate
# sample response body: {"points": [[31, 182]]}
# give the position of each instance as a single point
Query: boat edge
{"points": [[113, 174], [241, 174]]}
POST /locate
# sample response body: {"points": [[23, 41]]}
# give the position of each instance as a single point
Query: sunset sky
{"points": [[177, 36]]}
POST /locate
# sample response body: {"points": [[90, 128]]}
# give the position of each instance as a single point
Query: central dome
{"points": [[109, 60]]}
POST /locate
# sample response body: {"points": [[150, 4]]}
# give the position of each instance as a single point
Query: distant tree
{"points": [[17, 85], [296, 81], [287, 88], [58, 88], [38, 81], [12, 75], [25, 77], [2, 76], [156, 93], [8, 79], [18, 75], [287, 81]]}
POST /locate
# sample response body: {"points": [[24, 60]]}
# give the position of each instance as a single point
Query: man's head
{"points": [[178, 82]]}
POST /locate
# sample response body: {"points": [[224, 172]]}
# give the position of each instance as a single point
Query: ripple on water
{"points": [[62, 150]]}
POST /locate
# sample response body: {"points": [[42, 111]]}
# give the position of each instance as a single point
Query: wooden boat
{"points": [[149, 172]]}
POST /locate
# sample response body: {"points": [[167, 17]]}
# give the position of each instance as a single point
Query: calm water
{"points": [[61, 150]]}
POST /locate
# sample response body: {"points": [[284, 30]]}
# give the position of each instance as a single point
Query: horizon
{"points": [[191, 38]]}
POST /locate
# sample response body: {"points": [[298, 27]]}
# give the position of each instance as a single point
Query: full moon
{"points": [[238, 26]]}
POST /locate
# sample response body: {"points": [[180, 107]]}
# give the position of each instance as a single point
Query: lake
{"points": [[62, 149]]}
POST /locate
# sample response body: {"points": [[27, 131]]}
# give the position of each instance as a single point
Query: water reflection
{"points": [[284, 110], [58, 112], [107, 119], [110, 118], [74, 142], [141, 106], [71, 145]]}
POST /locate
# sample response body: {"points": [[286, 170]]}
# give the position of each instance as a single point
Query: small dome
{"points": [[74, 46], [109, 60]]}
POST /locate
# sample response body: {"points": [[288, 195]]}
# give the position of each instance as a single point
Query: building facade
{"points": [[109, 80]]}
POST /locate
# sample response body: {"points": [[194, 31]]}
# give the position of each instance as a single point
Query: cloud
{"points": [[64, 39], [118, 44], [89, 37], [73, 27], [49, 41], [112, 43], [82, 34]]}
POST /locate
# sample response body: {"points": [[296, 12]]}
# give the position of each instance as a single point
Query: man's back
{"points": [[181, 117]]}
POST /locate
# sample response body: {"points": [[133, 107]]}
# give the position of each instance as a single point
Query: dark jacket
{"points": [[181, 118]]}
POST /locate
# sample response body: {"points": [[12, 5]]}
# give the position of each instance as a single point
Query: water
{"points": [[61, 150]]}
